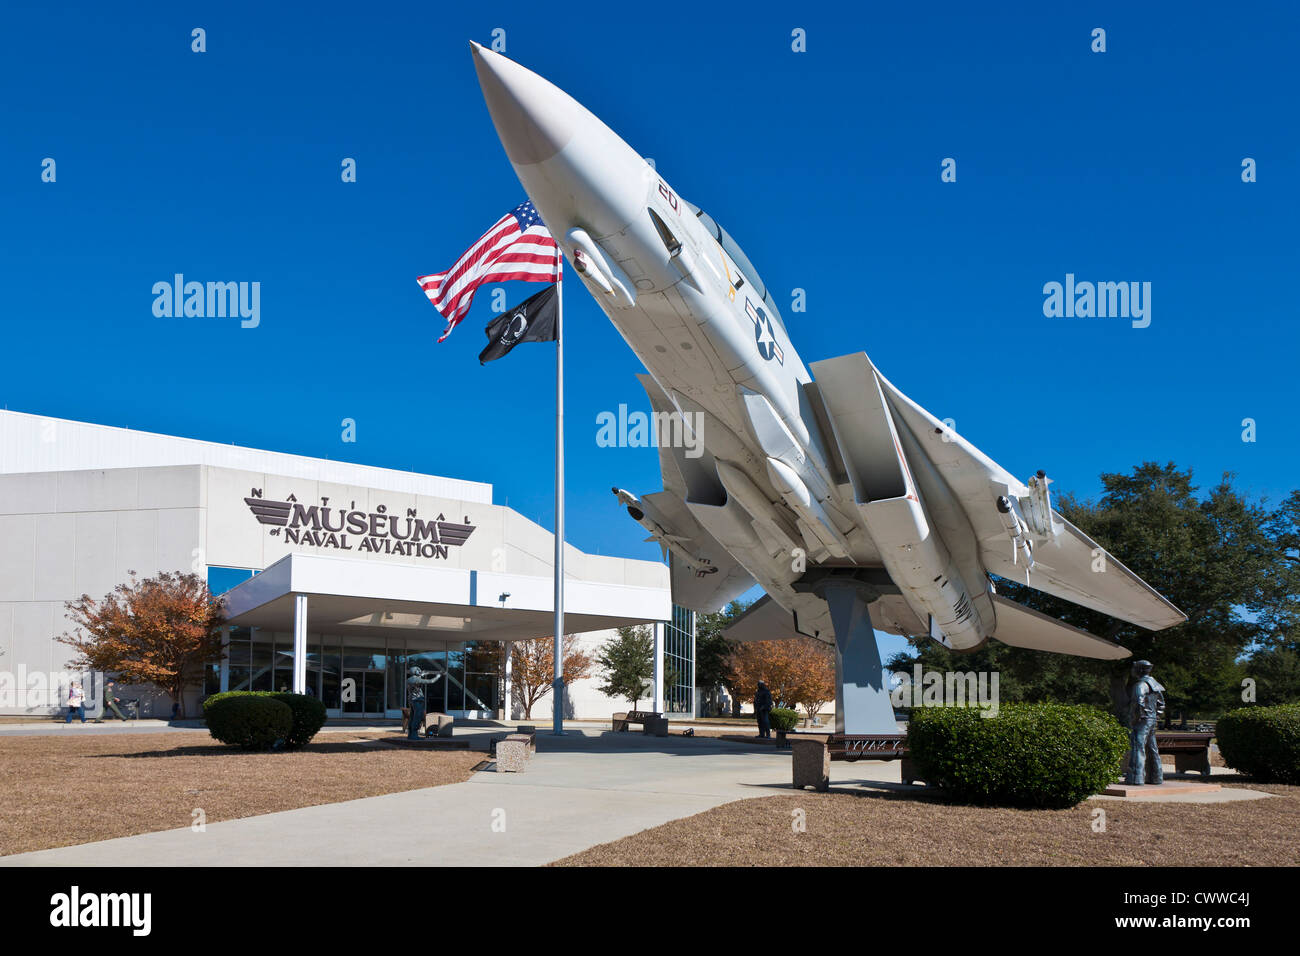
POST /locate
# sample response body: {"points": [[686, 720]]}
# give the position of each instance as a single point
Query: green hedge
{"points": [[1263, 742], [783, 718], [1030, 755], [307, 713], [249, 721]]}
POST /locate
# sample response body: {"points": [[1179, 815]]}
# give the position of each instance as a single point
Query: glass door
{"points": [[363, 692], [363, 681]]}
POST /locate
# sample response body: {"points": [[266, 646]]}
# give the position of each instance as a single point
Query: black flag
{"points": [[533, 320]]}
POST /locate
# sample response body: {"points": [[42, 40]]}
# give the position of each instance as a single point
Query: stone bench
{"points": [[527, 731], [434, 724], [811, 756], [1191, 752], [512, 753], [652, 723]]}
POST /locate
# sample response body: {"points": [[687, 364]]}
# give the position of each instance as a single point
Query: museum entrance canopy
{"points": [[363, 598]]}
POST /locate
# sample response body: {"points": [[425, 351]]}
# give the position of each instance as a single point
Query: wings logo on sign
{"points": [[349, 529]]}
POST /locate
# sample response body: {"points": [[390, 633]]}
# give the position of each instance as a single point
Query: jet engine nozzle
{"points": [[633, 505]]}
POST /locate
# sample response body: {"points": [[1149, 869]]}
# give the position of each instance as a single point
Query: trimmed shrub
{"points": [[249, 721], [1263, 742], [308, 712], [308, 717], [783, 718], [1030, 755]]}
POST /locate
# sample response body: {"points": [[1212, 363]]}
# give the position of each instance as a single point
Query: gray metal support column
{"points": [[862, 703], [300, 643]]}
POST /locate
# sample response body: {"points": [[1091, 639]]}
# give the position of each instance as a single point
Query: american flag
{"points": [[518, 246]]}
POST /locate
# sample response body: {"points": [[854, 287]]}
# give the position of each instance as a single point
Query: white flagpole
{"points": [[557, 688]]}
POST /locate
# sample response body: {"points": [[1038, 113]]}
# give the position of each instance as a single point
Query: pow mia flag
{"points": [[531, 321]]}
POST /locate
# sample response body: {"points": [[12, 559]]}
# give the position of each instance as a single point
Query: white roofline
{"points": [[331, 575], [37, 443]]}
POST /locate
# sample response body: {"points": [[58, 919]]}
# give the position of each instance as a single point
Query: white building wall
{"points": [[35, 443], [585, 700], [68, 533]]}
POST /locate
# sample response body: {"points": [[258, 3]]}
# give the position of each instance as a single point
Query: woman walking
{"points": [[76, 702]]}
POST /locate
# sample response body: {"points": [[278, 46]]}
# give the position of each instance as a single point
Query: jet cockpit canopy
{"points": [[742, 262]]}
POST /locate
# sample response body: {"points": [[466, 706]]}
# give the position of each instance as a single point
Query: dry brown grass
{"points": [[59, 791], [868, 828]]}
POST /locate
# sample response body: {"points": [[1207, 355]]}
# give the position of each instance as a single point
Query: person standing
{"points": [[763, 709], [76, 702]]}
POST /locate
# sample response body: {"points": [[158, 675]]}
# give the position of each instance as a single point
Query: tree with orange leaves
{"points": [[162, 631], [815, 681], [798, 672], [532, 668]]}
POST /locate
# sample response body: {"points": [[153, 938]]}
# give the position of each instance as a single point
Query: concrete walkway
{"points": [[586, 788]]}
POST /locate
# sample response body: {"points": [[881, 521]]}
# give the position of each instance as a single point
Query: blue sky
{"points": [[824, 165]]}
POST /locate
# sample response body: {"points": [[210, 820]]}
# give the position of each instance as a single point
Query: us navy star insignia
{"points": [[763, 335]]}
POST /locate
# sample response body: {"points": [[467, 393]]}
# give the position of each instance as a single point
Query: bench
{"points": [[512, 752], [812, 755], [439, 724], [527, 731], [652, 722], [1191, 752]]}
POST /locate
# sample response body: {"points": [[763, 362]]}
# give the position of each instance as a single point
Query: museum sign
{"points": [[348, 529]]}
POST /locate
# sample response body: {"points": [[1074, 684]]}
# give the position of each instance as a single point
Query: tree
{"points": [[628, 663], [797, 671], [1276, 672], [713, 651], [1229, 563], [814, 686], [163, 630], [532, 668]]}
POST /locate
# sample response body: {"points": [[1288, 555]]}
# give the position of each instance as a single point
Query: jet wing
{"points": [[1064, 568], [764, 620], [1022, 626], [1063, 564], [669, 463], [703, 592]]}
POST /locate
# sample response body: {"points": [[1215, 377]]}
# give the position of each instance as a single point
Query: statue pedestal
{"points": [[1157, 791]]}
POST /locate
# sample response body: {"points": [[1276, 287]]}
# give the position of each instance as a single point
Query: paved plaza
{"points": [[589, 787]]}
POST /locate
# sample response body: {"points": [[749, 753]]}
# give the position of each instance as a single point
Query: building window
{"points": [[212, 679], [240, 659], [679, 662], [484, 671]]}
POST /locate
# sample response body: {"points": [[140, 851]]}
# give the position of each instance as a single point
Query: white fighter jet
{"points": [[847, 502]]}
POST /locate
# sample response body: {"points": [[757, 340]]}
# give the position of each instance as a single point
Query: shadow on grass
{"points": [[218, 750]]}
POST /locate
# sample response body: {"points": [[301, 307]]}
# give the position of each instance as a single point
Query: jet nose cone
{"points": [[534, 119]]}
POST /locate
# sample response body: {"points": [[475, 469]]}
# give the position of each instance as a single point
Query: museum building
{"points": [[337, 577]]}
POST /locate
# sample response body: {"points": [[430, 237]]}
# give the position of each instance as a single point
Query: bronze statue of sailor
{"points": [[1146, 705], [415, 697]]}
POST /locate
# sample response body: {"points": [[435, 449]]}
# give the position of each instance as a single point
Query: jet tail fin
{"points": [[1021, 626]]}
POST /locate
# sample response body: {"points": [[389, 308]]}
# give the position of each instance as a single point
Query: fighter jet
{"points": [[853, 507]]}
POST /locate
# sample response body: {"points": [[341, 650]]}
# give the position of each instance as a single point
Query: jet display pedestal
{"points": [[862, 702]]}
